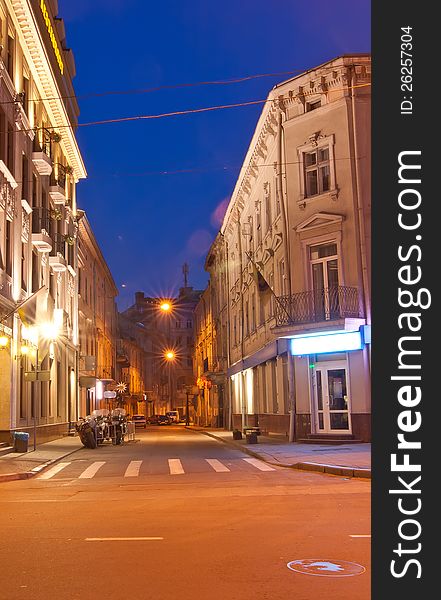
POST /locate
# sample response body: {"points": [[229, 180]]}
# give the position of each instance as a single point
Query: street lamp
{"points": [[170, 357], [166, 306]]}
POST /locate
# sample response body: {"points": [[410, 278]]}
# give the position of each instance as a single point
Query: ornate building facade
{"points": [[295, 245], [40, 164], [97, 322]]}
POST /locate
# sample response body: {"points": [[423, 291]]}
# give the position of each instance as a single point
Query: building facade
{"points": [[97, 322], [40, 164], [170, 331], [296, 246], [211, 353]]}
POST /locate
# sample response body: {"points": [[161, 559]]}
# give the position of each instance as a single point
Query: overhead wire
{"points": [[178, 112], [157, 88]]}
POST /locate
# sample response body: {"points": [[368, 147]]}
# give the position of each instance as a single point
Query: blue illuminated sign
{"points": [[339, 341]]}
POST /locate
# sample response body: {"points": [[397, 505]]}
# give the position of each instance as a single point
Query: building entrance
{"points": [[331, 398]]}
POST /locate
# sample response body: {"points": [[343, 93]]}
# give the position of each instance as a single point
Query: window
{"points": [[23, 268], [283, 278], [253, 312], [35, 272], [189, 324], [26, 94], [313, 105], [10, 57], [8, 248], [325, 280], [268, 216], [10, 149], [317, 171], [25, 177]]}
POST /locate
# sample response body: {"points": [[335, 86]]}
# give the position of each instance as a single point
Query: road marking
{"points": [[326, 568], [175, 466], [133, 468], [122, 539], [364, 535], [258, 464], [217, 465], [92, 470], [56, 469]]}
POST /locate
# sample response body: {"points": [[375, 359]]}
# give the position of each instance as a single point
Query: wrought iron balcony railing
{"points": [[40, 219], [58, 176], [43, 141], [59, 245], [327, 304]]}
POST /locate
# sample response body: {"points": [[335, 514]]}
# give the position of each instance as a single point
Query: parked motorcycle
{"points": [[118, 425], [102, 425], [102, 429], [86, 429]]}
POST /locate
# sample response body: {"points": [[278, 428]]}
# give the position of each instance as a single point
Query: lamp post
{"points": [[170, 357]]}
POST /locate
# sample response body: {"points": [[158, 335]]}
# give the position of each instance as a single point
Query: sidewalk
{"points": [[350, 460], [17, 465]]}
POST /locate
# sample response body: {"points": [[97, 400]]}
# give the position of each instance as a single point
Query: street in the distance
{"points": [[194, 518]]}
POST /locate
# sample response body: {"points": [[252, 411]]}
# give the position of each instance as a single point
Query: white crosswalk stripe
{"points": [[54, 470], [217, 465], [258, 464], [175, 466], [133, 468], [92, 470]]}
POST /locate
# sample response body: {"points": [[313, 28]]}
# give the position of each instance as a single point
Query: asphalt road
{"points": [[213, 525]]}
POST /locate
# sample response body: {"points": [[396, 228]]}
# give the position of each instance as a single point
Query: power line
{"points": [[208, 169], [181, 112], [230, 81]]}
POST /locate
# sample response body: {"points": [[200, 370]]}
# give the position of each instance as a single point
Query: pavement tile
{"points": [[349, 460]]}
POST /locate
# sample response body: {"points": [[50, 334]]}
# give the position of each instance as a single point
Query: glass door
{"points": [[332, 398]]}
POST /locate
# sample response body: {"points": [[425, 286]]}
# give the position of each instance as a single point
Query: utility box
{"points": [[21, 441]]}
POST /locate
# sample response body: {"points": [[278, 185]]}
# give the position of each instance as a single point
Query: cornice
{"points": [[36, 55]]}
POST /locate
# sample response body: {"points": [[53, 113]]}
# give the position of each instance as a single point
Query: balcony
{"points": [[42, 152], [318, 306], [57, 257], [40, 229], [57, 184]]}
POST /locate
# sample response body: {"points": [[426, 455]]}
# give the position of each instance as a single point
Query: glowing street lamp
{"points": [[166, 306], [170, 355]]}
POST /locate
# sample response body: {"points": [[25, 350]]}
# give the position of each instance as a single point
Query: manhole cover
{"points": [[326, 568]]}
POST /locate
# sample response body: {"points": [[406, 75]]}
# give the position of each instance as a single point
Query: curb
{"points": [[302, 466], [36, 470]]}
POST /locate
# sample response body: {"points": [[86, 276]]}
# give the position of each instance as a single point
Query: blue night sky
{"points": [[146, 222]]}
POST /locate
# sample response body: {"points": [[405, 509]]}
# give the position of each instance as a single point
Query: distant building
{"points": [[40, 165], [164, 331], [292, 260], [212, 342], [97, 322]]}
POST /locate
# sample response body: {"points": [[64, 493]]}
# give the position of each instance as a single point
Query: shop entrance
{"points": [[331, 398]]}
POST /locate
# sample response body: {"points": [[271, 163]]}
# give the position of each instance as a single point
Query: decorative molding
{"points": [[318, 220]]}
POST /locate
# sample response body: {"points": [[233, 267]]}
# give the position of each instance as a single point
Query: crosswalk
{"points": [[171, 466]]}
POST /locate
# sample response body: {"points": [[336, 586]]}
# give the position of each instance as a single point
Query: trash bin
{"points": [[251, 437], [21, 441]]}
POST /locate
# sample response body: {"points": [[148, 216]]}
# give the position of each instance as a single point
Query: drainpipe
{"points": [[285, 220], [360, 213], [242, 323], [361, 229]]}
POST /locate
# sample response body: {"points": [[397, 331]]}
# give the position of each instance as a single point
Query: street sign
{"points": [[37, 376], [109, 394]]}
